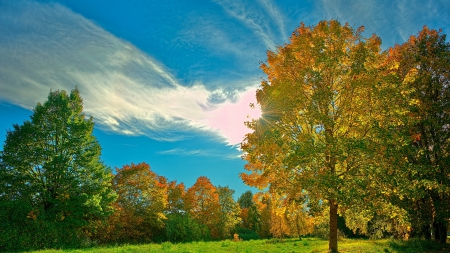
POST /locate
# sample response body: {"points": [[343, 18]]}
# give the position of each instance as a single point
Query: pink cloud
{"points": [[229, 119]]}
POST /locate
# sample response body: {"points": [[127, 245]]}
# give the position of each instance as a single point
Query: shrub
{"points": [[182, 228], [247, 234]]}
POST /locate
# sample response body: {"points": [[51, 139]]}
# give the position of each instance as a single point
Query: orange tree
{"points": [[142, 199], [202, 204], [318, 108], [180, 226]]}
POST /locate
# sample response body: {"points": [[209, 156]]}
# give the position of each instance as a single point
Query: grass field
{"points": [[287, 245]]}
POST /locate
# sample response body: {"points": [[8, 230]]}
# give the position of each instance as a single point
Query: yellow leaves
{"points": [[411, 76], [161, 216], [414, 102], [394, 66]]}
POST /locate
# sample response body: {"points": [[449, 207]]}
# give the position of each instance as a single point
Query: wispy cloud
{"points": [[393, 21], [255, 20], [230, 49], [197, 152], [130, 145], [275, 14], [47, 46], [184, 152]]}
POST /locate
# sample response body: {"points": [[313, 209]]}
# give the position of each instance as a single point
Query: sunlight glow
{"points": [[229, 119]]}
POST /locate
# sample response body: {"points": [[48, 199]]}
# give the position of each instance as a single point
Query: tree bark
{"points": [[426, 231], [333, 240], [440, 232]]}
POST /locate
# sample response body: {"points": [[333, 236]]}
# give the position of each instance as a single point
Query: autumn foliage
{"points": [[338, 115], [139, 209]]}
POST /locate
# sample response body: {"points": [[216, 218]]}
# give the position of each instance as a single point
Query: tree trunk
{"points": [[426, 231], [440, 232], [333, 240]]}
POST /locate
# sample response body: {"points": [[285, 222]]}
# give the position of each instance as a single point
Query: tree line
{"points": [[353, 140], [55, 192]]}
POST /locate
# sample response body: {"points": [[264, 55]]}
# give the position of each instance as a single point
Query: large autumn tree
{"points": [[318, 108], [52, 181], [422, 65]]}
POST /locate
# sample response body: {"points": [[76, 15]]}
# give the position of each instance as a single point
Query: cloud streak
{"points": [[254, 19], [393, 21], [127, 91], [198, 152]]}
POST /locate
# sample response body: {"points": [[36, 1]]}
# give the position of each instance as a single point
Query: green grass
{"points": [[287, 245]]}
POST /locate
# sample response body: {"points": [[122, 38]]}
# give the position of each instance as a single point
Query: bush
{"points": [[247, 234], [182, 228], [23, 229]]}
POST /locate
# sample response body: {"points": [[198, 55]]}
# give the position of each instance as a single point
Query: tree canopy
{"points": [[318, 106], [422, 64], [51, 171]]}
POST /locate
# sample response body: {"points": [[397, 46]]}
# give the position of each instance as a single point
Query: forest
{"points": [[353, 141]]}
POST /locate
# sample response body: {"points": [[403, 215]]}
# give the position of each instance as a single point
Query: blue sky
{"points": [[169, 82]]}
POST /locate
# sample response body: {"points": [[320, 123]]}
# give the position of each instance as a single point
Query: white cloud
{"points": [[198, 152], [254, 19], [47, 46], [393, 21], [275, 14]]}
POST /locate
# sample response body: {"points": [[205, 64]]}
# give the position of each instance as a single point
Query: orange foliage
{"points": [[244, 217], [139, 208], [202, 203]]}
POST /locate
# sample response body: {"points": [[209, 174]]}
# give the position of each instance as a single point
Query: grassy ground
{"points": [[287, 245]]}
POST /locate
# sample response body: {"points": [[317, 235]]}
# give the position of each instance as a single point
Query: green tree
{"points": [[229, 212], [250, 217], [318, 108], [422, 65], [181, 227], [51, 170], [246, 199], [175, 195]]}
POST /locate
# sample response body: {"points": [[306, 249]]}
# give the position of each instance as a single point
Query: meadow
{"points": [[286, 245]]}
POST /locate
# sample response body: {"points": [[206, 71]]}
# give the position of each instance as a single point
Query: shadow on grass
{"points": [[290, 240], [418, 245]]}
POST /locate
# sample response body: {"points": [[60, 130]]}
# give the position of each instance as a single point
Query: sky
{"points": [[170, 82]]}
